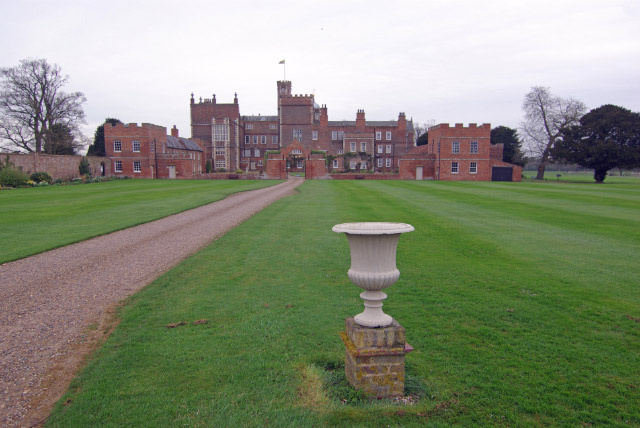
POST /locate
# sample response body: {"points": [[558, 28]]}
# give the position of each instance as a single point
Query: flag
{"points": [[281, 62]]}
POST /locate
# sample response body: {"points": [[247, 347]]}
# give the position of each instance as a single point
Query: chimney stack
{"points": [[174, 132], [360, 120]]}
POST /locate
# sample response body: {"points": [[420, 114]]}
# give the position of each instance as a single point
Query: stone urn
{"points": [[373, 265]]}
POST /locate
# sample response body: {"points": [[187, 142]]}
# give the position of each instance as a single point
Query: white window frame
{"points": [[247, 139], [117, 166], [378, 135], [473, 167], [274, 139], [340, 135], [340, 151], [133, 146], [473, 148], [300, 164], [352, 147], [352, 164], [388, 135], [363, 146], [220, 133], [220, 164], [296, 152], [297, 134], [263, 139], [454, 167], [117, 146], [380, 149], [363, 166], [256, 153], [335, 163], [246, 153], [272, 126], [334, 135], [379, 162], [455, 147], [314, 135], [388, 148], [249, 125], [137, 166], [255, 139], [388, 162], [221, 151], [260, 162]]}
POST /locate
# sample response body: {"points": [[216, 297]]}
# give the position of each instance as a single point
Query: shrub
{"points": [[42, 184], [208, 168], [221, 170], [239, 171], [40, 177], [83, 167], [59, 181], [12, 177]]}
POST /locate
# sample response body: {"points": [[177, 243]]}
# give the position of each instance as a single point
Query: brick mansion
{"points": [[300, 137]]}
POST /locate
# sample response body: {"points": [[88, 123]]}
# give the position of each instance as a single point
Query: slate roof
{"points": [[259, 118], [182, 144], [370, 123]]}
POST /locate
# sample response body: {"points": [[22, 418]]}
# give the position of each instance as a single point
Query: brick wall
{"points": [[64, 167]]}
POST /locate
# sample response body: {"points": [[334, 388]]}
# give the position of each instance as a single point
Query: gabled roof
{"points": [[182, 144]]}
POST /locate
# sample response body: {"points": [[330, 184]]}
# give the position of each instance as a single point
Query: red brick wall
{"points": [[276, 167], [315, 168], [64, 167]]}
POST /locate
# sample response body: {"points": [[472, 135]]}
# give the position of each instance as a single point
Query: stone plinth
{"points": [[374, 361]]}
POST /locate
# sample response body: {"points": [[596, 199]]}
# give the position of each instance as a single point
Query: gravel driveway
{"points": [[56, 307]]}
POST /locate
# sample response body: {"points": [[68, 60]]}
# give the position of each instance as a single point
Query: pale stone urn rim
{"points": [[373, 228]]}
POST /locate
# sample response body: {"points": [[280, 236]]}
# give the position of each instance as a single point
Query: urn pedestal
{"points": [[375, 343]]}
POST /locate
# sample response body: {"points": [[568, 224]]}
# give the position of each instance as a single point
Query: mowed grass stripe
{"points": [[39, 219], [500, 340]]}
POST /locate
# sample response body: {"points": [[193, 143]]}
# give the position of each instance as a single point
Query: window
{"points": [[220, 132], [273, 126], [455, 147], [297, 134], [314, 135], [363, 147], [454, 167], [388, 148], [300, 164], [247, 139], [340, 135], [249, 125], [117, 146], [352, 147], [473, 167], [263, 139], [256, 153], [220, 151], [352, 164], [260, 162], [221, 164], [388, 162], [474, 147], [296, 152], [388, 135], [380, 148], [334, 135], [340, 151], [136, 146], [255, 139], [274, 139], [378, 135], [136, 166], [118, 166], [363, 165], [335, 163], [246, 153]]}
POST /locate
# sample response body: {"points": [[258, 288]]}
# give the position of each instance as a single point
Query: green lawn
{"points": [[41, 218], [521, 300]]}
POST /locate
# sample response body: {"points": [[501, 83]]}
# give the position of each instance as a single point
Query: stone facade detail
{"points": [[374, 360]]}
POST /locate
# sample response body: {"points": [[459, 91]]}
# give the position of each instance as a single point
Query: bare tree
{"points": [[544, 116], [32, 102], [421, 130]]}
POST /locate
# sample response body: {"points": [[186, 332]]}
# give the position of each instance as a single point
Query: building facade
{"points": [[237, 142], [146, 151]]}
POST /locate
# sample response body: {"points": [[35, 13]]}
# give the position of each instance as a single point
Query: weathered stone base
{"points": [[374, 361]]}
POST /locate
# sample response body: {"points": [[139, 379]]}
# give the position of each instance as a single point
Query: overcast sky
{"points": [[448, 61]]}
